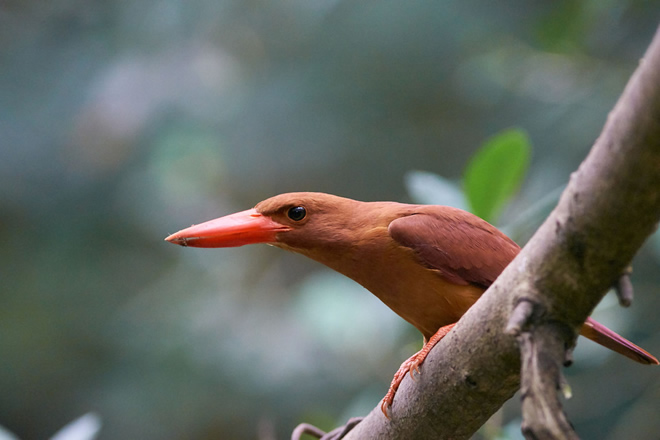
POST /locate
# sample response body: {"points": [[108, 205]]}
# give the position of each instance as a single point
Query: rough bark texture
{"points": [[611, 205]]}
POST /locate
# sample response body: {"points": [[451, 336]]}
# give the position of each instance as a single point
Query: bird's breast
{"points": [[418, 294]]}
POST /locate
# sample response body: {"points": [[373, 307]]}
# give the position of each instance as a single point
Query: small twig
{"points": [[306, 428], [339, 433], [542, 354], [624, 288], [335, 434], [543, 350]]}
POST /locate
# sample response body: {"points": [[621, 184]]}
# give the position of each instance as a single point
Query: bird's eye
{"points": [[297, 213]]}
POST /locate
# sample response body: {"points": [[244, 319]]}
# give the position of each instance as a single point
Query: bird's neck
{"points": [[386, 271]]}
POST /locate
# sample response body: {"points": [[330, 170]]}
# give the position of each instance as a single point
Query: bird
{"points": [[428, 263]]}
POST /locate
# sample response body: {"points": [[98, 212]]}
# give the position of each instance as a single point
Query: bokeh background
{"points": [[122, 121]]}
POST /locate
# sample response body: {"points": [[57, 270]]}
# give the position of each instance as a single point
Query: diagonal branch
{"points": [[611, 205]]}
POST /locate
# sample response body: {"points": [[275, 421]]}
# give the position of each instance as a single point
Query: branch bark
{"points": [[611, 205]]}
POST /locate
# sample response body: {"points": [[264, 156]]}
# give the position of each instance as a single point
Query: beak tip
{"points": [[175, 239]]}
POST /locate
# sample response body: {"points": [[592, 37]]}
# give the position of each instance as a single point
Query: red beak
{"points": [[245, 227]]}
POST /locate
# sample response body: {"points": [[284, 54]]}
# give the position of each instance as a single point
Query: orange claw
{"points": [[411, 365]]}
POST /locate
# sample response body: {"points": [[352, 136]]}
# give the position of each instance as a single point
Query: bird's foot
{"points": [[405, 368], [411, 366]]}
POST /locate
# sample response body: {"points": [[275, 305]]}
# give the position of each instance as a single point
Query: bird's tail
{"points": [[607, 338]]}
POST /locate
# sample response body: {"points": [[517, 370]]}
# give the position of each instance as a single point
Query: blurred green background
{"points": [[122, 121]]}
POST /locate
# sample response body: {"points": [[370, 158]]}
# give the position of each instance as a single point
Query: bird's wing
{"points": [[463, 248]]}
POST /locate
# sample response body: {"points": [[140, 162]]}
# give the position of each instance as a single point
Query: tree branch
{"points": [[611, 205]]}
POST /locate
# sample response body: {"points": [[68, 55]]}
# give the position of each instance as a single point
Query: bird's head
{"points": [[300, 222]]}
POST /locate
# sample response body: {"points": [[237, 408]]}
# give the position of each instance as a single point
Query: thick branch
{"points": [[609, 208]]}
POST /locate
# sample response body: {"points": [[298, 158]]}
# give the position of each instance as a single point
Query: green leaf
{"points": [[495, 172]]}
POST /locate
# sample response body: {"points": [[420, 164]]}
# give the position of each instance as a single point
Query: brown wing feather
{"points": [[463, 248]]}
